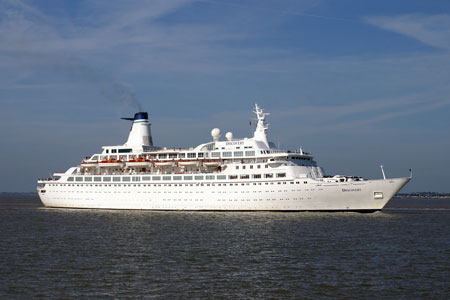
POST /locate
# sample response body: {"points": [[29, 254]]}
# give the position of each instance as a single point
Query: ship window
{"points": [[107, 151], [210, 177], [199, 177], [237, 167], [268, 175], [176, 177], [107, 179], [232, 177], [116, 178], [172, 155], [124, 150], [113, 150], [162, 156], [156, 177], [226, 154], [251, 166], [279, 175], [187, 177], [94, 157], [238, 153], [146, 178], [70, 179], [191, 155], [125, 178], [200, 154], [245, 176], [166, 178], [215, 154], [249, 153], [256, 176], [259, 166], [136, 178], [243, 167], [266, 166], [78, 178], [221, 177], [182, 155]]}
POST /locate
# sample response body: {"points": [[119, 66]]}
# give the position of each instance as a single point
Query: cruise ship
{"points": [[247, 174]]}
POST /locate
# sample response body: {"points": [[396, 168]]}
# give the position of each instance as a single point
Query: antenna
{"points": [[382, 171]]}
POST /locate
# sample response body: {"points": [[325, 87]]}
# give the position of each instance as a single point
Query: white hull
{"points": [[289, 195]]}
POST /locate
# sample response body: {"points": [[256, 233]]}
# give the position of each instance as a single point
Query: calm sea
{"points": [[400, 253]]}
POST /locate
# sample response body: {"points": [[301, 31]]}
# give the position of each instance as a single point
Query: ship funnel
{"points": [[140, 134]]}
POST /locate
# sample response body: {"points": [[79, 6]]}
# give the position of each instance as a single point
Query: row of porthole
{"points": [[192, 184]]}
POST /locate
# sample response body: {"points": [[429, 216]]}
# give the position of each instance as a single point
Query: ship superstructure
{"points": [[231, 174]]}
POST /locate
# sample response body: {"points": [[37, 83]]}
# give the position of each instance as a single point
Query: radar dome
{"points": [[229, 136], [215, 133]]}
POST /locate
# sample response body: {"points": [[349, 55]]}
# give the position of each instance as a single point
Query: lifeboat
{"points": [[110, 163], [211, 164], [164, 164], [188, 163], [89, 164], [139, 162]]}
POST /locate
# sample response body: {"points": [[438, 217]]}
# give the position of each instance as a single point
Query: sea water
{"points": [[402, 252]]}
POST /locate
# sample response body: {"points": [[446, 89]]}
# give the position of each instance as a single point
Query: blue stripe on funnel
{"points": [[141, 116]]}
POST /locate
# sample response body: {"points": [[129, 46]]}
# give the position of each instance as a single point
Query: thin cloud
{"points": [[388, 115], [432, 30]]}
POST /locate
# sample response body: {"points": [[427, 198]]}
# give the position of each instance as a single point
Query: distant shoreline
{"points": [[423, 196]]}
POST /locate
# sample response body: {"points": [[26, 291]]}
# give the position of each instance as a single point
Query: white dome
{"points": [[215, 133], [229, 136]]}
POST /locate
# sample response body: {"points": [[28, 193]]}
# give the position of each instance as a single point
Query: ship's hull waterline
{"points": [[278, 196]]}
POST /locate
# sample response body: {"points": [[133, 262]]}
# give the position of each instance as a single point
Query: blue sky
{"points": [[358, 83]]}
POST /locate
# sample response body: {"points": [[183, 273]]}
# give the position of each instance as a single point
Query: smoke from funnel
{"points": [[121, 93], [115, 91]]}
